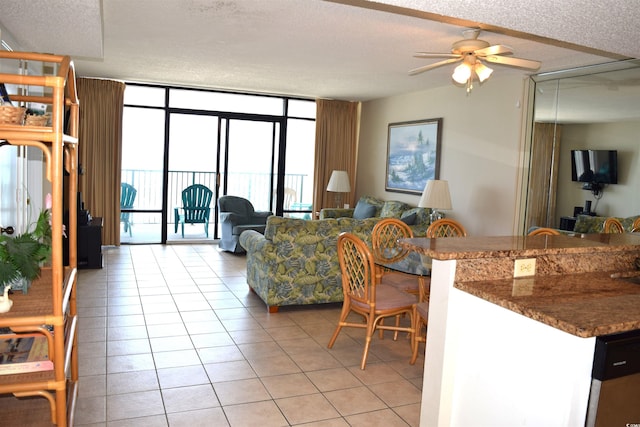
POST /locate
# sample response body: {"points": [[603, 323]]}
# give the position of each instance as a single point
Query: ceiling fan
{"points": [[471, 51]]}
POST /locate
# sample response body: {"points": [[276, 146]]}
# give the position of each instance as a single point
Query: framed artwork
{"points": [[413, 155]]}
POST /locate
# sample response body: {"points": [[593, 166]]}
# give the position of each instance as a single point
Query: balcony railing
{"points": [[253, 186]]}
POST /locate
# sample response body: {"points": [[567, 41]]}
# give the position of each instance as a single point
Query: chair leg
{"points": [[343, 317], [206, 229], [182, 224], [371, 328], [416, 338]]}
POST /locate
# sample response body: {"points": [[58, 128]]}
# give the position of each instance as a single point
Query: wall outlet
{"points": [[524, 267]]}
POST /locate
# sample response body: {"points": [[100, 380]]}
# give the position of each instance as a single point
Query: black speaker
{"points": [[587, 207]]}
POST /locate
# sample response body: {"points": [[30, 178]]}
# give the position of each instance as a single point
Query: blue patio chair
{"points": [[127, 197], [196, 199]]}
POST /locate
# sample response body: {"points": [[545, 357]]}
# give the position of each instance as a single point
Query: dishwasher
{"points": [[614, 399]]}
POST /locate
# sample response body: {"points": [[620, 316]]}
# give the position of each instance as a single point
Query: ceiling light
{"points": [[482, 71], [462, 73]]}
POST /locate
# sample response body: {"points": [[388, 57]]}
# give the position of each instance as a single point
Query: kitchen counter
{"points": [[505, 351], [521, 246], [572, 290], [585, 305]]}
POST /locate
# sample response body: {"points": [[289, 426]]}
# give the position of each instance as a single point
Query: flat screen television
{"points": [[594, 166]]}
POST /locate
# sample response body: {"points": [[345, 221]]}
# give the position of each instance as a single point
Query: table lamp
{"points": [[339, 183], [436, 196]]}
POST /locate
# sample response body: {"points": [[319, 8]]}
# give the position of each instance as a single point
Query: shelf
{"points": [[34, 307], [51, 299]]}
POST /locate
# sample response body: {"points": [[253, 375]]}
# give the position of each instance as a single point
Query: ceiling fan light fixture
{"points": [[462, 73], [482, 71]]}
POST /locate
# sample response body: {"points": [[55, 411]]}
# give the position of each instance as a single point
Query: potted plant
{"points": [[22, 255]]}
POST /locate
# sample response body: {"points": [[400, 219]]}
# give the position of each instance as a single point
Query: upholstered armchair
{"points": [[237, 215]]}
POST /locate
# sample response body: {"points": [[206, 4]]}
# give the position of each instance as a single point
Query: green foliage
{"points": [[22, 255]]}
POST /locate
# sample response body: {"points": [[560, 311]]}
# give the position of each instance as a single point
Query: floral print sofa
{"points": [[373, 207], [593, 224], [588, 224], [296, 262]]}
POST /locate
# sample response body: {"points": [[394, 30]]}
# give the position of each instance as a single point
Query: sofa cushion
{"points": [[364, 210], [393, 209]]}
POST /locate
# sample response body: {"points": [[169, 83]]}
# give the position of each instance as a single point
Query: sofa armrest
{"points": [[336, 213], [230, 218], [260, 217], [252, 241]]}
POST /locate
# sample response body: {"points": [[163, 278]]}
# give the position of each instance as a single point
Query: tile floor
{"points": [[172, 336]]}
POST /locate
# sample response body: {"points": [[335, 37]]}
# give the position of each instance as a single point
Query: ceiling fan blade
{"points": [[496, 49], [436, 55], [431, 66], [514, 62]]}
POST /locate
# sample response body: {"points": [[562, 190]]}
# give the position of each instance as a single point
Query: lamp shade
{"points": [[339, 182], [436, 195]]}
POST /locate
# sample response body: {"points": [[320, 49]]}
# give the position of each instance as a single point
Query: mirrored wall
{"points": [[595, 109]]}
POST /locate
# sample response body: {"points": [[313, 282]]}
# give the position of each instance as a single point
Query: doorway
{"points": [[228, 155]]}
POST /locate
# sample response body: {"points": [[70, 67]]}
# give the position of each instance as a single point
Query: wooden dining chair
{"points": [[421, 317], [384, 243], [612, 225], [446, 227], [635, 227], [440, 228], [544, 231], [363, 296]]}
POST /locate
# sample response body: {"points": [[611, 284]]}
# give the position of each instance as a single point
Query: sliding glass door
{"points": [[244, 145], [249, 161], [193, 154]]}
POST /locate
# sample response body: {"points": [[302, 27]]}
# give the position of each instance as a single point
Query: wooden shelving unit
{"points": [[51, 300]]}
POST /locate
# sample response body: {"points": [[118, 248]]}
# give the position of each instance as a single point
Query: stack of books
{"points": [[20, 353]]}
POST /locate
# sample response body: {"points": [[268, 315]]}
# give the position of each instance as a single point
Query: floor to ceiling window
{"points": [[253, 146]]}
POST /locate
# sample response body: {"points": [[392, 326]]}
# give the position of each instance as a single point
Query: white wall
{"points": [[480, 149], [617, 200]]}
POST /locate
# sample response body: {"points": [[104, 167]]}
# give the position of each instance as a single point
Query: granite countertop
{"points": [[585, 305], [520, 246]]}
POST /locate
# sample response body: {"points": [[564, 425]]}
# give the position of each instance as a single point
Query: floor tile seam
{"points": [[256, 401], [275, 401], [164, 413], [306, 374]]}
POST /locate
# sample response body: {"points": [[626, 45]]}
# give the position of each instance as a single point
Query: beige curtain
{"points": [[543, 181], [337, 127], [100, 152]]}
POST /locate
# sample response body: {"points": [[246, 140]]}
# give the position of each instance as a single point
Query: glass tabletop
{"points": [[413, 263]]}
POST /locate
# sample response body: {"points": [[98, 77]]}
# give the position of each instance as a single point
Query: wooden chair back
{"points": [[635, 228], [358, 269], [544, 231], [384, 239], [612, 225], [446, 227]]}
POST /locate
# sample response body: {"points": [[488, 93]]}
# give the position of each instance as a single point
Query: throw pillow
{"points": [[364, 210], [393, 209], [409, 219]]}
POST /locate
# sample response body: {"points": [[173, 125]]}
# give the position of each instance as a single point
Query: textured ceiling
{"points": [[351, 49]]}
